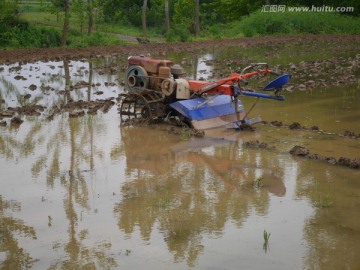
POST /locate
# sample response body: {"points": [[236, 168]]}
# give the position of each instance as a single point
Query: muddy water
{"points": [[88, 193]]}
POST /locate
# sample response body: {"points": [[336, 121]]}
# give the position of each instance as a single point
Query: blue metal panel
{"points": [[278, 82], [199, 109], [260, 95]]}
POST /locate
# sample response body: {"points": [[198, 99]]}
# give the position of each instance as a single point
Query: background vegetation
{"points": [[81, 23]]}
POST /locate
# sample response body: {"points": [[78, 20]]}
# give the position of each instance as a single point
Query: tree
{"points": [[167, 17], [90, 17], [9, 12], [64, 5], [66, 23], [143, 19], [197, 17]]}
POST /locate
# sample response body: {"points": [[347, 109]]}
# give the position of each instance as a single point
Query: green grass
{"points": [[268, 23]]}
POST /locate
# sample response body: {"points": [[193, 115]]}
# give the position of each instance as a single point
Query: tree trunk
{"points": [[66, 23], [91, 18], [167, 17], [197, 17], [143, 19]]}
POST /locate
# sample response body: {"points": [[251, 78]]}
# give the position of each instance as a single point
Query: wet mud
{"points": [[337, 70], [304, 152], [258, 144], [297, 126]]}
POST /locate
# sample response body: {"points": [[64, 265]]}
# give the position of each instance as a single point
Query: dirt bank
{"points": [[31, 55]]}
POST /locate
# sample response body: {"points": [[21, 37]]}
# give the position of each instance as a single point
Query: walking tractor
{"points": [[156, 89]]}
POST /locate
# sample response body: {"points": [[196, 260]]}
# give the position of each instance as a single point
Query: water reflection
{"points": [[333, 232], [52, 84], [192, 193], [14, 256]]}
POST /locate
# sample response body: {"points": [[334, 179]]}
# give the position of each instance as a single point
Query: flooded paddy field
{"points": [[78, 190]]}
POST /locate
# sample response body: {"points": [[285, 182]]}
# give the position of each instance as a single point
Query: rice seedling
{"points": [[266, 236]]}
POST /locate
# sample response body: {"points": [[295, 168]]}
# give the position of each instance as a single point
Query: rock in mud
{"points": [[299, 151]]}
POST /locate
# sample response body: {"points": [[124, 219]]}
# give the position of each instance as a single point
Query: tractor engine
{"points": [[159, 75]]}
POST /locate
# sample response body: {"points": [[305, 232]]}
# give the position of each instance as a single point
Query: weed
{"points": [[163, 203], [185, 134], [320, 200], [258, 183], [324, 202], [127, 252]]}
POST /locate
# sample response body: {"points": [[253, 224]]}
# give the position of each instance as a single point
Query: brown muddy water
{"points": [[87, 193]]}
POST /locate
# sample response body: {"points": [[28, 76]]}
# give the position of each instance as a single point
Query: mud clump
{"points": [[350, 134], [299, 151], [186, 132], [246, 127], [342, 161], [16, 121], [352, 163], [78, 108], [257, 144], [276, 123], [3, 123], [19, 77], [295, 125], [314, 128], [32, 87]]}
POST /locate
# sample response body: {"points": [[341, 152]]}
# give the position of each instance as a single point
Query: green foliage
{"points": [[218, 19], [129, 12], [29, 37], [266, 23], [178, 33], [184, 12], [8, 13]]}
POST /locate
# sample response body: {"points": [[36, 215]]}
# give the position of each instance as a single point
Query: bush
{"points": [[24, 36], [178, 33]]}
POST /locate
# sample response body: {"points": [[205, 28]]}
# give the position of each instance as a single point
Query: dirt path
{"points": [[31, 55]]}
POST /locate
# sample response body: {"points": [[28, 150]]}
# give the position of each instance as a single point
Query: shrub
{"points": [[178, 33], [24, 36]]}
